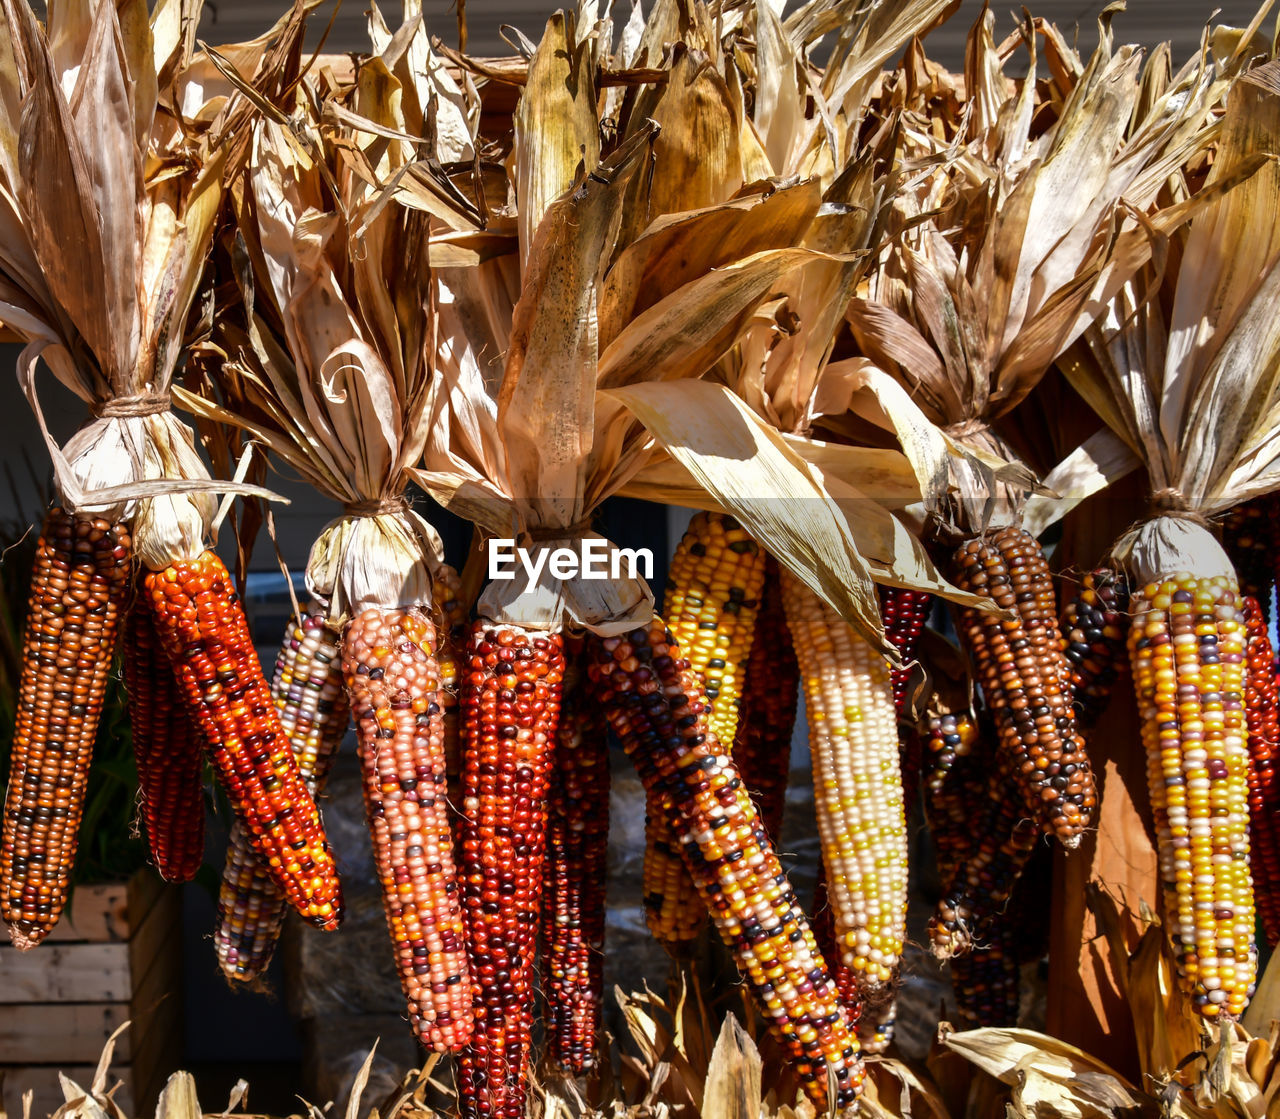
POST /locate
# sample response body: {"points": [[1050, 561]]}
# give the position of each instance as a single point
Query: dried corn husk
{"points": [[1189, 379], [102, 243], [777, 368], [322, 347], [1014, 241], [530, 449]]}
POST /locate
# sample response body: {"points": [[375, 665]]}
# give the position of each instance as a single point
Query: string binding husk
{"points": [[137, 462], [379, 554]]}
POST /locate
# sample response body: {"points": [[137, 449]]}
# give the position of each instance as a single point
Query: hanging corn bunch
{"points": [[1198, 417], [778, 395], [1106, 138], [689, 314], [318, 365], [111, 329]]}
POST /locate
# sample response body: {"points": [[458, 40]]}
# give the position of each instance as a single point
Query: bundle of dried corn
{"points": [[103, 246], [1010, 227], [1184, 381], [776, 372], [322, 349], [530, 456]]}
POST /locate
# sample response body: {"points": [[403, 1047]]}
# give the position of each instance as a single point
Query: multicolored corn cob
{"points": [[953, 788], [655, 705], [1187, 652], [988, 980], [997, 846], [449, 613], [904, 614], [393, 685], [1262, 714], [1094, 625], [771, 696], [202, 627], [307, 690], [713, 592], [857, 785], [1248, 535], [511, 711], [168, 751], [1023, 672], [78, 588], [573, 912], [876, 1025]]}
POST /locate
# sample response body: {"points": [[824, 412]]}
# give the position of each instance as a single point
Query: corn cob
{"points": [[955, 808], [988, 869], [388, 664], [307, 690], [78, 586], [712, 595], [169, 753], [1247, 536], [1187, 652], [202, 627], [904, 614], [824, 935], [449, 613], [1023, 672], [875, 1027], [857, 782], [574, 905], [656, 708], [953, 787], [1261, 713], [987, 981], [1093, 627], [771, 695], [511, 709]]}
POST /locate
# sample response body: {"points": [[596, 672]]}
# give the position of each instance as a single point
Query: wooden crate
{"points": [[115, 956]]}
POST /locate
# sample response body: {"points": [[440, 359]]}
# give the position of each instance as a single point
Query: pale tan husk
{"points": [[102, 243], [328, 358]]}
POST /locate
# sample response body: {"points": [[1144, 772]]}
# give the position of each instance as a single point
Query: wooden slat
{"points": [[97, 914], [159, 989], [158, 935], [66, 973], [157, 1053], [67, 1033], [146, 888], [42, 1080]]}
